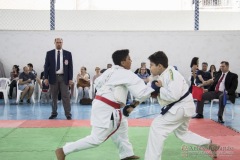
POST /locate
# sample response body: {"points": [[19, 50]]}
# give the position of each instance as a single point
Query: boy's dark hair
{"points": [[119, 56], [159, 58], [205, 63], [194, 61], [30, 65]]}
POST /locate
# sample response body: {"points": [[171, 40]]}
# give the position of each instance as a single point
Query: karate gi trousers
{"points": [[99, 135], [165, 124]]}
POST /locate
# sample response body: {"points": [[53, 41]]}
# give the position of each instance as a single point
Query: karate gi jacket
{"points": [[174, 86], [106, 85]]}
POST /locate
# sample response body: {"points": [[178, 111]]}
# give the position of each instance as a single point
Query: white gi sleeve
{"points": [[138, 88]]}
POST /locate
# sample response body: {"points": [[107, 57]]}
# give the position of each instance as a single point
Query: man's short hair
{"points": [[205, 63], [159, 58], [225, 62], [109, 65], [119, 56], [30, 65], [25, 68], [58, 38]]}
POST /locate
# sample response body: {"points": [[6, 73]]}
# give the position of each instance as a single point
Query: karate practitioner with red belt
{"points": [[106, 117]]}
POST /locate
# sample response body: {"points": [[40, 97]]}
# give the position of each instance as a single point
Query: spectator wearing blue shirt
{"points": [[143, 75]]}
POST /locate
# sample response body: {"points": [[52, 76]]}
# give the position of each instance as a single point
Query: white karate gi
{"points": [[102, 125], [176, 119]]}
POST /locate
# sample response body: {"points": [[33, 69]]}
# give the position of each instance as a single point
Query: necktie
{"points": [[58, 61], [218, 84]]}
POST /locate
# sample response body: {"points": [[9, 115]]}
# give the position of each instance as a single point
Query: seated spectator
{"points": [[45, 94], [30, 66], [83, 83], [144, 75], [143, 65], [109, 65], [203, 76], [26, 84], [225, 80], [212, 70], [13, 77], [97, 70], [194, 69]]}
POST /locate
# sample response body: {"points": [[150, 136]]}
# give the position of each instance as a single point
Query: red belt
{"points": [[107, 101]]}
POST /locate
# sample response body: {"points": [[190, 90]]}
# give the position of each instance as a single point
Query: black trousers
{"points": [[12, 85], [209, 96], [60, 86]]}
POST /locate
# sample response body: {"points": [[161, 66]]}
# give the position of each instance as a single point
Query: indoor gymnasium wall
{"points": [[91, 49]]}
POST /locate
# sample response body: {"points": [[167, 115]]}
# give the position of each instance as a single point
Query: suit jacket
{"points": [[50, 66], [231, 83]]}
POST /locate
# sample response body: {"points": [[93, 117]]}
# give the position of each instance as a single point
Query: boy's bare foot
{"points": [[131, 158], [60, 154]]}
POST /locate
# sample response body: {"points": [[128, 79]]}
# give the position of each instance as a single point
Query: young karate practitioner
{"points": [[106, 117], [176, 118]]}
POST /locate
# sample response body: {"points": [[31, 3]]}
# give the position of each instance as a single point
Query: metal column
{"points": [[196, 15], [52, 14]]}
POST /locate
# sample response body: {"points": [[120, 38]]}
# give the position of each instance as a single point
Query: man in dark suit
{"points": [[224, 80], [58, 72]]}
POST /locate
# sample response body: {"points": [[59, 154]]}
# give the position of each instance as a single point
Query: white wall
{"points": [[93, 49], [119, 20]]}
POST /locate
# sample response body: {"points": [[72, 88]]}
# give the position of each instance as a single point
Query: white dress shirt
{"points": [[222, 84]]}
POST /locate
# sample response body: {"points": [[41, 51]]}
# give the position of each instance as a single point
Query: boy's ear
{"points": [[122, 63], [159, 65]]}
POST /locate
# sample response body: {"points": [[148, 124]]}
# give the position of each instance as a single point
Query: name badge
{"points": [[66, 62]]}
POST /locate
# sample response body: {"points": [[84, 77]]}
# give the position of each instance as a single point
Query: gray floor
{"points": [[40, 111]]}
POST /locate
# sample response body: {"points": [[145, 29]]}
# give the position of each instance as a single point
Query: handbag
{"points": [[86, 101], [197, 93], [83, 83]]}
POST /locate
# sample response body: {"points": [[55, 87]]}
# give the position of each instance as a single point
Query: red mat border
{"points": [[218, 133]]}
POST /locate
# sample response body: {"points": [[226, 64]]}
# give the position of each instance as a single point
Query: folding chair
{"points": [[228, 102], [4, 88]]}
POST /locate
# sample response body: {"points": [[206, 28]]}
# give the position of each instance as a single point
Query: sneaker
{"points": [[28, 101], [52, 117], [69, 117], [198, 116], [21, 101]]}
